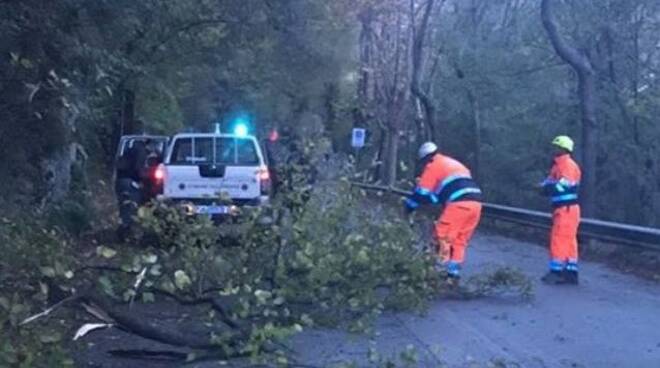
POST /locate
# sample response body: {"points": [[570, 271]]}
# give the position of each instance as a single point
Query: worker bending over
{"points": [[445, 181]]}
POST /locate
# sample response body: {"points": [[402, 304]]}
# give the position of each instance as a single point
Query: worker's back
{"points": [[449, 179], [131, 163]]}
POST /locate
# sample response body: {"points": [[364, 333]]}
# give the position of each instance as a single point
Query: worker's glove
{"points": [[545, 187], [410, 206]]}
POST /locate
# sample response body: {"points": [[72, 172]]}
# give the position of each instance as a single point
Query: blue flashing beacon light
{"points": [[241, 129]]}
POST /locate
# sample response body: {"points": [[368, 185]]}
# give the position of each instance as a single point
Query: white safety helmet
{"points": [[426, 149]]}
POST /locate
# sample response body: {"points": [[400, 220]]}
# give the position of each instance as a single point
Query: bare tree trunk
{"points": [[419, 36], [589, 140], [366, 37], [476, 118], [379, 155], [392, 156], [476, 13], [586, 92], [396, 101], [127, 118]]}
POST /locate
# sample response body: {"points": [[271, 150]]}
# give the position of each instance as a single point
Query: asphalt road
{"points": [[609, 320]]}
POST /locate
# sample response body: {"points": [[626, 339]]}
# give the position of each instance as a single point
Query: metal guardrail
{"points": [[618, 233]]}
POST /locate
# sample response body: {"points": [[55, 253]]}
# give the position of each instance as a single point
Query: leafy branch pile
{"points": [[321, 259]]}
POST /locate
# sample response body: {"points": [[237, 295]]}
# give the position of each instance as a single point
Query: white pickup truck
{"points": [[201, 168]]}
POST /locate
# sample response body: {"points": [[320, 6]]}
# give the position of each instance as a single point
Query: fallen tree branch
{"points": [[49, 310], [213, 302], [140, 328], [161, 355], [103, 268]]}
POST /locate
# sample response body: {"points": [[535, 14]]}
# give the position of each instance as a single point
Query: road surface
{"points": [[609, 320]]}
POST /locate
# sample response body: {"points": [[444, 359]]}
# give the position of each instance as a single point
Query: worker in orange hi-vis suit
{"points": [[562, 187], [445, 181]]}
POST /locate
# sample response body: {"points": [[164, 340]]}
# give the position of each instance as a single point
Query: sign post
{"points": [[358, 138]]}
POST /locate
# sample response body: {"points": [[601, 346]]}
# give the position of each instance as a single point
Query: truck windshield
{"points": [[217, 150], [157, 143]]}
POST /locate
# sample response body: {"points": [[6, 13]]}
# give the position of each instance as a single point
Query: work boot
{"points": [[554, 278], [453, 280], [570, 277]]}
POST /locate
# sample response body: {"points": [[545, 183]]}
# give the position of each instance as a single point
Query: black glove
{"points": [[410, 206]]}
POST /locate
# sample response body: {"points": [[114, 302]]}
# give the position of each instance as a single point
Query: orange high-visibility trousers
{"points": [[563, 235], [454, 229]]}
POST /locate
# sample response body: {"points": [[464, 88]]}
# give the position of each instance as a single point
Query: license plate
{"points": [[212, 210]]}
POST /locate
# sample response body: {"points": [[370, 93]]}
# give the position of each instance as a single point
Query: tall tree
{"points": [[419, 36], [583, 67]]}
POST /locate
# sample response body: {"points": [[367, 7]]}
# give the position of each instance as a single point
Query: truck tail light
{"points": [[159, 174], [263, 174]]}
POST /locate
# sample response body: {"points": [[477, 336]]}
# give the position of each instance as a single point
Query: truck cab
{"points": [[201, 168]]}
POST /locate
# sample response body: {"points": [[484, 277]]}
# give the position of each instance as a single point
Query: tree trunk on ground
{"points": [[586, 92]]}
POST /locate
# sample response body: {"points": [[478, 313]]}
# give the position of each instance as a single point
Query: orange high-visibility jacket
{"points": [[444, 180], [563, 183]]}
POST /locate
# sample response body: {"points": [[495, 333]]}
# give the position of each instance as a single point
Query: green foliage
{"points": [[73, 72], [37, 265], [74, 215], [351, 262], [325, 259]]}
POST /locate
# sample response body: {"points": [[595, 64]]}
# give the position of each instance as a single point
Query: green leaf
{"points": [[48, 271], [105, 252], [306, 320], [129, 295], [4, 303], [50, 338], [167, 285], [150, 258], [26, 63], [148, 298], [106, 285], [181, 279], [43, 287], [155, 270], [263, 294]]}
